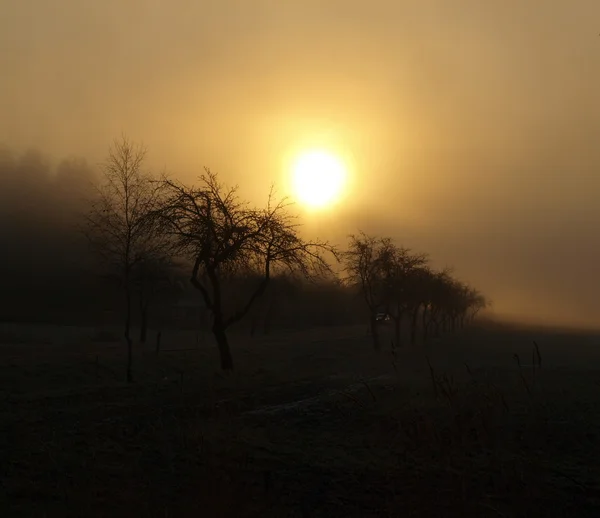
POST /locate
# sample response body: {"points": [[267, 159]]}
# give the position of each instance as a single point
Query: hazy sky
{"points": [[473, 127]]}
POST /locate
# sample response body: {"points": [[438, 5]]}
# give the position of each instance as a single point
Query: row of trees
{"points": [[400, 284], [145, 228]]}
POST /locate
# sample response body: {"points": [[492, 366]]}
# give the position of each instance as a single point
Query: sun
{"points": [[318, 178]]}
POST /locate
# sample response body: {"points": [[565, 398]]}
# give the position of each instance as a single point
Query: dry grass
{"points": [[312, 424]]}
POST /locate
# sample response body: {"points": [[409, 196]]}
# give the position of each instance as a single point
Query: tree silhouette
{"points": [[448, 302], [121, 224], [438, 291], [363, 267], [400, 269], [222, 236], [416, 296], [393, 278]]}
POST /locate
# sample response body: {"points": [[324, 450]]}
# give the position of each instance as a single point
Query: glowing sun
{"points": [[318, 178]]}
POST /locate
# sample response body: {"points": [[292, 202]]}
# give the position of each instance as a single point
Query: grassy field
{"points": [[312, 424]]}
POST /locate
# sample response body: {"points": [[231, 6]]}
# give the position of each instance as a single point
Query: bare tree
{"points": [[400, 268], [222, 236], [448, 303], [470, 304], [363, 267], [438, 289], [386, 275], [416, 297], [478, 302], [121, 226]]}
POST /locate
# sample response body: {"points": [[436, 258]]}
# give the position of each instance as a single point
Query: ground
{"points": [[315, 423]]}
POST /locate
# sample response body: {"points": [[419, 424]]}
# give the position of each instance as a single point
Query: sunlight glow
{"points": [[318, 178]]}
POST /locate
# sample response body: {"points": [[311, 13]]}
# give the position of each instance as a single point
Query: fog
{"points": [[471, 128]]}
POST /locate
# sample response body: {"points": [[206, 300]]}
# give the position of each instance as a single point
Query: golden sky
{"points": [[473, 127]]}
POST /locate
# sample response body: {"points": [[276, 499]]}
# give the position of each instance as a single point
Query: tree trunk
{"points": [[398, 330], [143, 323], [425, 323], [436, 325], [375, 332], [413, 325], [218, 330], [128, 336]]}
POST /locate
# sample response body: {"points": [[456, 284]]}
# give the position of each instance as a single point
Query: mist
{"points": [[471, 129]]}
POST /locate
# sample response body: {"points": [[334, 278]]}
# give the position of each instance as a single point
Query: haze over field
{"points": [[470, 129]]}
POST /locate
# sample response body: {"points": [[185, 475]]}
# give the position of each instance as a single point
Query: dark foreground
{"points": [[312, 424]]}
